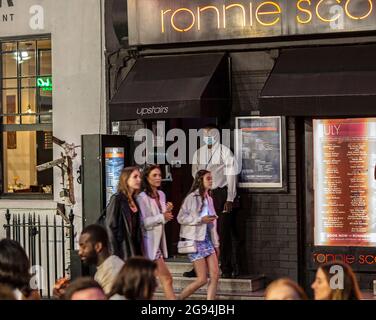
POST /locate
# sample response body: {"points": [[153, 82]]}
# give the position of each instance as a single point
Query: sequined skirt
{"points": [[205, 248]]}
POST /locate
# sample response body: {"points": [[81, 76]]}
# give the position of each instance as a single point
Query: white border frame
{"points": [[238, 149]]}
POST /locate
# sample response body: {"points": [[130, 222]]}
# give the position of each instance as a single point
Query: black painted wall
{"points": [[271, 219]]}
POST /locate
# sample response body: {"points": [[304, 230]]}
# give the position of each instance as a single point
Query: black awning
{"points": [[322, 81], [184, 86]]}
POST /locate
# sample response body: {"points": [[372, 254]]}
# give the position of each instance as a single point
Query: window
{"points": [[26, 111]]}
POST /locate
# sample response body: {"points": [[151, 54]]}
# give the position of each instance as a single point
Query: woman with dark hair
{"points": [[198, 222], [345, 286], [15, 270], [284, 289], [123, 216], [135, 281], [155, 213]]}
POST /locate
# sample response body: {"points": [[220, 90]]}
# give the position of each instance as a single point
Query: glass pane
{"points": [[45, 106], [10, 102], [27, 62], [26, 58], [27, 45], [44, 83], [10, 84], [44, 44], [45, 63], [28, 82], [9, 46], [28, 105], [9, 65], [23, 151]]}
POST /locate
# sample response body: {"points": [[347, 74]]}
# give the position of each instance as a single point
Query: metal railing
{"points": [[48, 242]]}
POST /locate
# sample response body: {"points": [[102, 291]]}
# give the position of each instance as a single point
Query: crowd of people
{"points": [[136, 277], [129, 250]]}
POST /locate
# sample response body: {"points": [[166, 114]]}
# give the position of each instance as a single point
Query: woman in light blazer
{"points": [[155, 213], [198, 222]]}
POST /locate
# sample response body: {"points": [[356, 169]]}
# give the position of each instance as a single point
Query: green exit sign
{"points": [[45, 83]]}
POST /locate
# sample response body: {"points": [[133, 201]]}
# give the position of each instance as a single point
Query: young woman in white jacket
{"points": [[198, 222], [155, 213]]}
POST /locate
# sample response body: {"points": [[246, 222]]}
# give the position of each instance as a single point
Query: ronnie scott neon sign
{"points": [[45, 83], [169, 21]]}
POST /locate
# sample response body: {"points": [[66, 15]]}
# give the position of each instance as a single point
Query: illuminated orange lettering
{"points": [[369, 259], [162, 18], [183, 10], [235, 5], [358, 18], [262, 13], [328, 256], [322, 18], [309, 18], [321, 258], [199, 10], [350, 259], [250, 14]]}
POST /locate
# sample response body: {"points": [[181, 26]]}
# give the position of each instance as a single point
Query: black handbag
{"points": [[102, 218]]}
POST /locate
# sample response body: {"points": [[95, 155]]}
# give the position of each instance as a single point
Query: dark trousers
{"points": [[231, 227]]}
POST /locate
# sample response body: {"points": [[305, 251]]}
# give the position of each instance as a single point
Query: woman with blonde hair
{"points": [[123, 223], [155, 213]]}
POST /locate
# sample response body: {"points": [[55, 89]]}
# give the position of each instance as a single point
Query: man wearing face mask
{"points": [[219, 160]]}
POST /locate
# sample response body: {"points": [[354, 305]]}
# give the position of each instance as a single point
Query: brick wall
{"points": [[271, 219]]}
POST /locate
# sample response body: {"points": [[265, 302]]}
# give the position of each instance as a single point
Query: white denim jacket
{"points": [[190, 220]]}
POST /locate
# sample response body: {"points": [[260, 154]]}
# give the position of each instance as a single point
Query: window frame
{"points": [[37, 126]]}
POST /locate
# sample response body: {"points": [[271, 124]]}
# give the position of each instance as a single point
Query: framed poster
{"points": [[261, 150], [345, 182]]}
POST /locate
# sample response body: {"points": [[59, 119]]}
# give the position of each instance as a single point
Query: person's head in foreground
{"points": [[93, 244], [84, 289], [284, 289], [335, 281], [14, 269], [6, 293], [136, 280]]}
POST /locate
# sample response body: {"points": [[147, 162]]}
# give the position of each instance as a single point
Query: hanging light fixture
{"points": [[21, 56]]}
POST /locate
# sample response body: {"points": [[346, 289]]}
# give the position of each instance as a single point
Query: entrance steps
{"points": [[250, 288]]}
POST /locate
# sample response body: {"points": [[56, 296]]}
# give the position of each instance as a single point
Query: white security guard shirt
{"points": [[220, 161]]}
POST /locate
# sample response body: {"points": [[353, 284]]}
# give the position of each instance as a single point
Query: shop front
{"points": [[300, 71], [333, 96], [52, 85]]}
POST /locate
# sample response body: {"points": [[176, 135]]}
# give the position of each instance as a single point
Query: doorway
{"points": [[181, 180]]}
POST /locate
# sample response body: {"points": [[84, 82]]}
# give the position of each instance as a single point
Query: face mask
{"points": [[209, 140]]}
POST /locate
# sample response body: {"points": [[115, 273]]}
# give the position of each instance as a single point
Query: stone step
{"points": [[245, 286], [201, 295], [179, 268]]}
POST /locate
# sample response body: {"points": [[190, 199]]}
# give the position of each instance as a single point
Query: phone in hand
{"points": [[221, 213]]}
